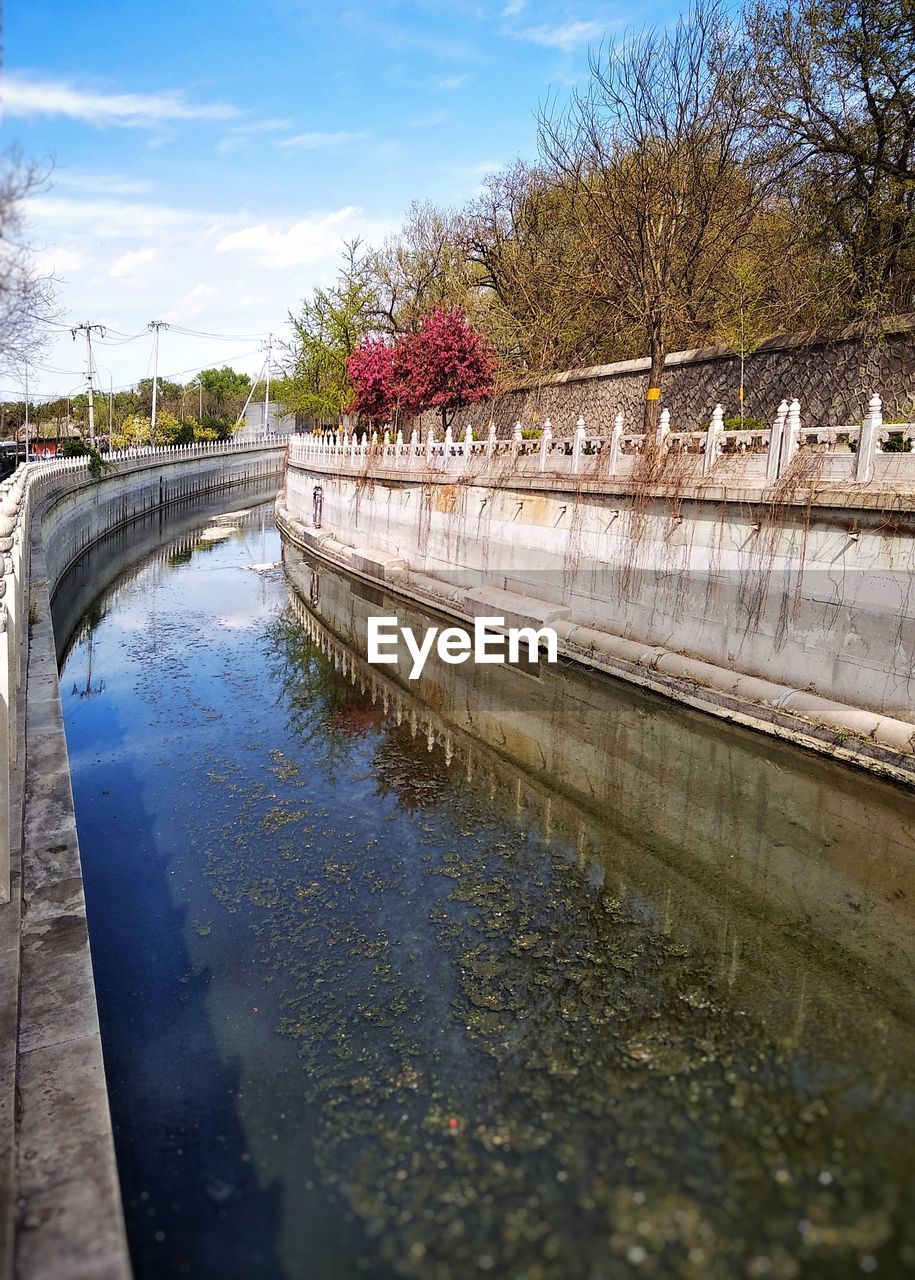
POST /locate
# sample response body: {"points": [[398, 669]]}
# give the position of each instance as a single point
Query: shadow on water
{"points": [[497, 973], [193, 1204]]}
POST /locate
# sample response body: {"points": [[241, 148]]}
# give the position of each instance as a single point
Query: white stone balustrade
{"points": [[752, 457]]}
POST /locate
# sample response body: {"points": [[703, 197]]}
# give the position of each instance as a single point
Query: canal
{"points": [[510, 973]]}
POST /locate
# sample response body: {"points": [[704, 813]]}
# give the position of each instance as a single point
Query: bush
{"points": [[80, 449], [748, 424]]}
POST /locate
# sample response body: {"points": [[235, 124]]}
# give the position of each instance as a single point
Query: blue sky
{"points": [[210, 156]]}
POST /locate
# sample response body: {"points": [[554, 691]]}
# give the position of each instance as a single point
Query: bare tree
{"points": [[524, 237], [25, 295], [662, 173], [837, 105], [420, 270]]}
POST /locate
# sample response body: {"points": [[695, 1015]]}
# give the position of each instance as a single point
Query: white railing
{"points": [[767, 452], [20, 495]]}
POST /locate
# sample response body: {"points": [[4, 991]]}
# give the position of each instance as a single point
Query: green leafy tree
{"points": [[82, 449], [326, 332], [134, 430], [224, 392]]}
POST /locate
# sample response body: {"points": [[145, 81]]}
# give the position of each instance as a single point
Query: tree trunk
{"points": [[657, 351]]}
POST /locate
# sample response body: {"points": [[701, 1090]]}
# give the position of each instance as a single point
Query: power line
{"points": [[184, 330], [131, 386], [221, 337], [121, 340]]}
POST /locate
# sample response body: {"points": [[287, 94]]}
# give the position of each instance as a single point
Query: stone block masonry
{"points": [[830, 376]]}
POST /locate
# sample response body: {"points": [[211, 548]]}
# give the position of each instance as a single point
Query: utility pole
{"points": [[87, 328], [200, 400], [267, 384], [155, 326], [26, 451]]}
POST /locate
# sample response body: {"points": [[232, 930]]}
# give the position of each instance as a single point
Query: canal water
{"points": [[502, 973]]}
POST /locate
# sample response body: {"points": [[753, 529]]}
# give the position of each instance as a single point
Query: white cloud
{"points": [[513, 8], [448, 83], [109, 219], [208, 274], [132, 263], [104, 184], [306, 241], [567, 37], [320, 141], [191, 305], [243, 134], [430, 121], [28, 98], [59, 261]]}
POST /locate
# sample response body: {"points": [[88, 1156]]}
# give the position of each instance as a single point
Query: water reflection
{"points": [[490, 974], [672, 962]]}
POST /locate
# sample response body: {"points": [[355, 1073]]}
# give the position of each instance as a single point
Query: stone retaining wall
{"points": [[833, 379]]}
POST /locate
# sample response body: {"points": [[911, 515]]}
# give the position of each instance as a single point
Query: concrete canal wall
{"points": [[789, 604], [60, 1212]]}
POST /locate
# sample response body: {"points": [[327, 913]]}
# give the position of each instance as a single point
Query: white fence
{"points": [[20, 496], [762, 456]]}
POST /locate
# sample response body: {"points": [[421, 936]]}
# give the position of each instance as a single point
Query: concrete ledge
{"points": [[60, 1206], [517, 610], [376, 563], [822, 497], [69, 1222]]}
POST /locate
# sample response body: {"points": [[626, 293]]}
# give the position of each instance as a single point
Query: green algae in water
{"points": [[527, 1041]]}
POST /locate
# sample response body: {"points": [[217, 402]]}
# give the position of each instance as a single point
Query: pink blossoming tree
{"points": [[444, 365], [371, 373]]}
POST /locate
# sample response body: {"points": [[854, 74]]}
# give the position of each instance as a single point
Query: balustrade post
{"points": [[491, 442], [577, 443], [449, 441], [776, 435], [546, 440], [792, 435], [468, 443], [430, 441], [517, 438], [713, 440], [414, 448], [616, 445], [663, 429], [869, 440]]}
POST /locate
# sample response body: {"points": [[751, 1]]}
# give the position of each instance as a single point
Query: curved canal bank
{"points": [[785, 605], [523, 976], [60, 1212]]}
